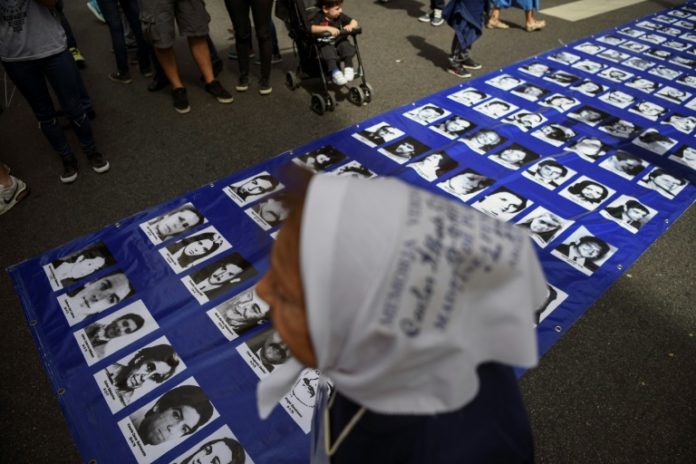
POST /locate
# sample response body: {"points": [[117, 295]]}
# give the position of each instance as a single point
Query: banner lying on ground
{"points": [[150, 329]]}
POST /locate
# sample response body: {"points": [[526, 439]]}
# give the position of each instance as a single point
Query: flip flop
{"points": [[536, 26], [496, 24]]}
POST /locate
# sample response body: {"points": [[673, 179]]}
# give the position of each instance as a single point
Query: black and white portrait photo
{"points": [[589, 88], [543, 226], [560, 102], [615, 74], [162, 424], [434, 165], [642, 84], [220, 447], [629, 213], [554, 298], [114, 332], [663, 182], [684, 62], [676, 45], [78, 265], [194, 249], [530, 92], [563, 57], [588, 115], [502, 203], [685, 155], [321, 159], [299, 402], [354, 169], [638, 63], [648, 110], [466, 184], [504, 82], [589, 66], [94, 297], [554, 134], [652, 140], [453, 127], [610, 39], [561, 78], [658, 54], [469, 96], [239, 314], [687, 79], [426, 114], [270, 212], [219, 277], [264, 351], [611, 54], [549, 173], [483, 140], [514, 156], [587, 192], [656, 39], [684, 123], [589, 148], [665, 72], [173, 224], [590, 48], [404, 150], [620, 128], [584, 251], [631, 32], [252, 188], [536, 69], [138, 373], [618, 98], [525, 119], [633, 46], [495, 108], [624, 164], [378, 134]]}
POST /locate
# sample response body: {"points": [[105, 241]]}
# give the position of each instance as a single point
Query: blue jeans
{"points": [[60, 71], [109, 9]]}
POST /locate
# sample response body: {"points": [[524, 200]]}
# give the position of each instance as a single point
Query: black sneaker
{"points": [[265, 87], [69, 170], [470, 64], [459, 72], [181, 103], [98, 163], [243, 84], [216, 89], [122, 78], [157, 84]]}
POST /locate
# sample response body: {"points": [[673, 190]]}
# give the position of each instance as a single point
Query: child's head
{"points": [[332, 8]]}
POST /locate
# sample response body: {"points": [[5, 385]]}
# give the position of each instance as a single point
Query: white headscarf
{"points": [[407, 293]]}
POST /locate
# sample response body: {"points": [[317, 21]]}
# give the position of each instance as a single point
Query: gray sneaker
{"points": [[69, 170], [425, 18], [98, 162], [13, 194], [437, 19]]}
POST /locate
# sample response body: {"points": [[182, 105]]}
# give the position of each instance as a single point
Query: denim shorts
{"points": [[157, 18]]}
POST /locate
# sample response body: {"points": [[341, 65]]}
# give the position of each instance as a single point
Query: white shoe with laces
{"points": [[13, 194], [349, 74], [338, 78]]}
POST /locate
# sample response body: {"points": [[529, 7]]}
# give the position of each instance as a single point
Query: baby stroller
{"points": [[296, 15]]}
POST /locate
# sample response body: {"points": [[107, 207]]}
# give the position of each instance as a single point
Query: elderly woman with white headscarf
{"points": [[414, 307]]}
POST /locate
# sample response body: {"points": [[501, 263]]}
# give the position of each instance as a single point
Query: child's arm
{"points": [[316, 29], [351, 25]]}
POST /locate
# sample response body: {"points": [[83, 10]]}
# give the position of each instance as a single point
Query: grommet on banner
{"points": [[33, 322], [92, 461], [61, 391], [666, 220], [558, 329], [619, 266], [211, 185], [117, 225]]}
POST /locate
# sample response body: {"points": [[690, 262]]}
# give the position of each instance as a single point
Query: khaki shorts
{"points": [[157, 18]]}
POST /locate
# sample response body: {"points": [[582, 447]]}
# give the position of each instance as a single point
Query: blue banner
{"points": [[151, 331]]}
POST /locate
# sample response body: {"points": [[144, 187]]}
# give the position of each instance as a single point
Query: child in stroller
{"points": [[335, 47]]}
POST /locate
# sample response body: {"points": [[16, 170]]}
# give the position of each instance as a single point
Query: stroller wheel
{"points": [[369, 92], [318, 105], [330, 102], [356, 95], [292, 80]]}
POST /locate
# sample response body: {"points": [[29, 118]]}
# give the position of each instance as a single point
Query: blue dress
{"points": [[526, 5]]}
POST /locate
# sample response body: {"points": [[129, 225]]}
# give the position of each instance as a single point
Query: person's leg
{"points": [[532, 24], [109, 9], [201, 55], [167, 59], [132, 13], [66, 25], [214, 57], [494, 21], [239, 14], [274, 41], [261, 12]]}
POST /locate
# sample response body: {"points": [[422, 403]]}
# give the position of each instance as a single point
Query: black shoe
{"points": [[217, 67], [470, 64], [122, 78], [243, 84], [265, 87], [69, 170], [216, 89], [459, 72], [181, 103], [91, 114], [98, 163], [157, 84]]}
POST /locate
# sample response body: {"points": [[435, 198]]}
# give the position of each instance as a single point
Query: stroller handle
{"points": [[342, 33]]}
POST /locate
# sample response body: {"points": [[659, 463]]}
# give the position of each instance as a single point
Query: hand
{"points": [[348, 28], [334, 32]]}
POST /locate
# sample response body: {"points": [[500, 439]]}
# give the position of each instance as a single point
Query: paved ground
{"points": [[618, 387]]}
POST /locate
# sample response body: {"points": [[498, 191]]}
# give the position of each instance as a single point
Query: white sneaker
{"points": [[338, 78], [349, 74], [10, 196]]}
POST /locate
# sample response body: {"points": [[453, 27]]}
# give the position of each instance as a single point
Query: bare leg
{"points": [[5, 180], [494, 21], [531, 23], [167, 60], [201, 54]]}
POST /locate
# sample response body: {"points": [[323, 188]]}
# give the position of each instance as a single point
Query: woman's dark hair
{"points": [[267, 177], [637, 205], [652, 137], [238, 455], [576, 189], [661, 172], [603, 247], [553, 163], [163, 353], [333, 156], [185, 260], [630, 170]]}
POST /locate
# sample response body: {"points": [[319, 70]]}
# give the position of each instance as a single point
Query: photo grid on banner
{"points": [[591, 147]]}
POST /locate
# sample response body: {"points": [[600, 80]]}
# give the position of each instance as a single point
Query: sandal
{"points": [[496, 24], [536, 26]]}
